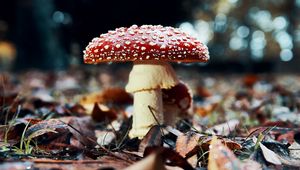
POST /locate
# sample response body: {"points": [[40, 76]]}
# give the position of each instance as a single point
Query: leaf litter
{"points": [[64, 120]]}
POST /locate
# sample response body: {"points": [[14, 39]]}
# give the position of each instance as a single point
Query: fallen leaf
{"points": [[152, 138], [88, 101], [113, 163], [16, 165], [205, 142], [105, 137], [173, 131], [77, 109], [176, 103], [269, 155], [40, 132], [105, 162], [290, 162], [203, 92], [46, 127], [154, 161], [205, 110], [224, 128], [221, 158], [102, 113], [249, 164], [286, 137], [116, 96], [193, 161], [179, 96], [174, 159], [295, 150], [110, 95], [82, 129], [188, 144]]}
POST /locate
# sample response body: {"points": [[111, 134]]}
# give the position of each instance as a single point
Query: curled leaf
{"points": [[102, 113], [45, 126]]}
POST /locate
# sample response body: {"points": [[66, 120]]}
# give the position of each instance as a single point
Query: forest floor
{"points": [[80, 119]]}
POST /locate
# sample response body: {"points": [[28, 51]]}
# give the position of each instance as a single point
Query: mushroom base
{"points": [[143, 116]]}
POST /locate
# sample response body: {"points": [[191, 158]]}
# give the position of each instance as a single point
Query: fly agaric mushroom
{"points": [[150, 48]]}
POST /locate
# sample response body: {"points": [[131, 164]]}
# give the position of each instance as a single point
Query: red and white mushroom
{"points": [[150, 48]]}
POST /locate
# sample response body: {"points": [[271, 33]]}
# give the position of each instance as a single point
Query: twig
{"points": [[65, 161]]}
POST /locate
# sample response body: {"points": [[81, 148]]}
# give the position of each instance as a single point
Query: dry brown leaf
{"points": [[205, 142], [179, 96], [187, 144], [46, 126], [105, 162], [94, 97], [110, 95], [288, 136], [193, 161], [77, 109], [203, 92], [221, 158], [82, 129], [205, 110], [174, 159], [88, 101], [116, 96], [154, 161], [176, 103], [152, 138], [224, 128], [102, 113]]}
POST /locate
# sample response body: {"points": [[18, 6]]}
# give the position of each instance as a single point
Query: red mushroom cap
{"points": [[146, 42]]}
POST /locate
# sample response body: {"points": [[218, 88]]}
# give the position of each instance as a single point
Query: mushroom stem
{"points": [[146, 80], [143, 117]]}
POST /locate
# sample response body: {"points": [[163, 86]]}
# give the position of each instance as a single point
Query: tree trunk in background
{"points": [[37, 37]]}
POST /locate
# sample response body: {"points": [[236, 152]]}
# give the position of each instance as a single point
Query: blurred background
{"points": [[242, 35]]}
